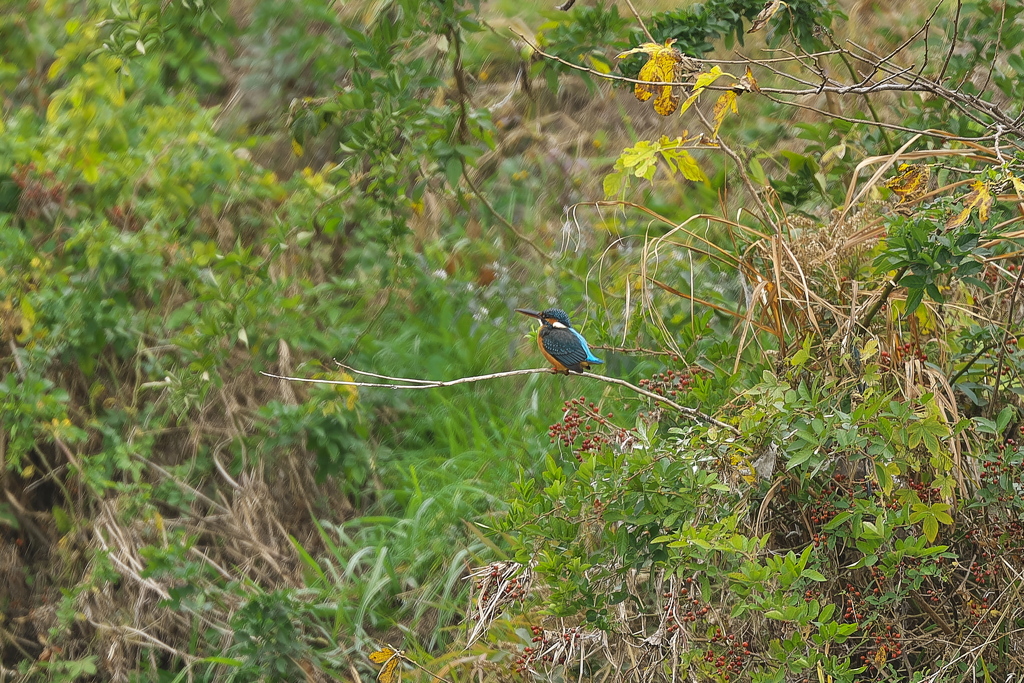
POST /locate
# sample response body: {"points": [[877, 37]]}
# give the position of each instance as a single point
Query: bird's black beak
{"points": [[525, 311]]}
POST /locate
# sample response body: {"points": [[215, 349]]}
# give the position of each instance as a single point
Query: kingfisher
{"points": [[564, 347]]}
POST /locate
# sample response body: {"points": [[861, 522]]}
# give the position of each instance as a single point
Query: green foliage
{"points": [[696, 28], [267, 638], [932, 257], [642, 161], [162, 241], [587, 34]]}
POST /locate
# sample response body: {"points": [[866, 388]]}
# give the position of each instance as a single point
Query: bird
{"points": [[564, 347]]}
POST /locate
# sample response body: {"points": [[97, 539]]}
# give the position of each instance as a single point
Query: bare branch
{"points": [[952, 43], [692, 413], [423, 384]]}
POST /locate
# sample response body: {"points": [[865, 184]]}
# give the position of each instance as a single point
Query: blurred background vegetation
{"points": [[196, 191]]}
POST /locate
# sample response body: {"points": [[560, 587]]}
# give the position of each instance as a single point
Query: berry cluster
{"points": [[1005, 471], [901, 353], [932, 595], [1007, 535], [489, 589], [979, 611], [854, 604], [731, 656], [581, 420], [878, 576], [672, 382], [823, 507], [538, 652], [984, 573], [992, 272], [927, 494], [684, 606], [501, 583], [886, 645], [39, 193]]}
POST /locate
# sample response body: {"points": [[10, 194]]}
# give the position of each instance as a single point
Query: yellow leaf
{"points": [[391, 658], [690, 100], [598, 65], [708, 77], [296, 147], [351, 393], [57, 66], [666, 102], [726, 103], [765, 15], [744, 468], [984, 204], [870, 349], [910, 182], [978, 198], [1018, 185], [703, 80], [661, 67], [382, 655]]}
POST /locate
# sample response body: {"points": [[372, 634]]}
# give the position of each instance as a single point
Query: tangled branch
{"points": [[883, 74]]}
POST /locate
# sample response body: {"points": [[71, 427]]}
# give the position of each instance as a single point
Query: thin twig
{"points": [[640, 21], [692, 412], [410, 380], [952, 43], [501, 219], [960, 373], [638, 350]]}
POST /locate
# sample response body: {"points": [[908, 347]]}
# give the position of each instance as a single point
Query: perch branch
{"points": [[405, 383]]}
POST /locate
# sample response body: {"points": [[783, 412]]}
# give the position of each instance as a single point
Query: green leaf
{"points": [[1003, 419], [813, 575], [757, 174], [613, 183], [687, 165], [453, 171], [931, 528]]}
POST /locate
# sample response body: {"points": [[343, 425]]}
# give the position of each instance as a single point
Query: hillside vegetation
{"points": [[790, 229]]}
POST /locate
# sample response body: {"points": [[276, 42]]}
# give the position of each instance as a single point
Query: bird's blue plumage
{"points": [[591, 358]]}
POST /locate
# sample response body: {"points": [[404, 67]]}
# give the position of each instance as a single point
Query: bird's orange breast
{"points": [[551, 359]]}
